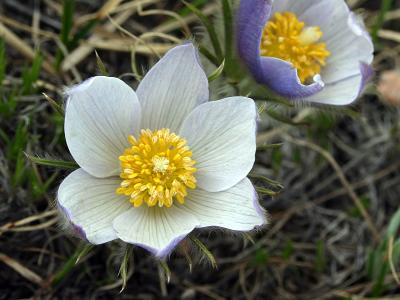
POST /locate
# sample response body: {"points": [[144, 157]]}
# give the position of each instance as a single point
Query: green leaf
{"points": [[269, 97], [3, 61], [394, 225], [67, 20], [210, 29], [276, 159], [57, 107], [217, 72], [204, 250], [167, 272], [52, 162], [320, 262], [211, 57], [248, 237], [261, 257], [70, 264], [19, 171], [183, 12], [8, 107], [386, 5], [266, 180], [188, 258], [31, 75], [228, 28], [265, 191], [396, 252], [18, 143], [66, 28], [38, 187], [100, 65], [269, 146], [81, 33], [288, 250], [378, 268], [281, 118], [85, 250], [123, 270]]}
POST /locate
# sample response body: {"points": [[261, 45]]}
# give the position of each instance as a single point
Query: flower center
{"points": [[287, 38], [160, 164], [157, 169]]}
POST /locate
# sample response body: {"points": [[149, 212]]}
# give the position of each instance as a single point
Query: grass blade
{"points": [[100, 65], [52, 162], [70, 264], [3, 61], [211, 57], [66, 28], [217, 72], [204, 250], [210, 29], [57, 107], [228, 28], [123, 270], [385, 8], [31, 75]]}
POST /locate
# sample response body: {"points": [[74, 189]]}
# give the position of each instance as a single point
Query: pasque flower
{"points": [[161, 161], [312, 50]]}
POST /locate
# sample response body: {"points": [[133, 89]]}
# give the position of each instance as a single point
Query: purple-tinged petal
{"points": [[236, 208], [277, 74], [367, 73], [348, 68], [282, 78], [340, 92], [358, 26], [164, 252], [348, 43], [251, 19], [261, 212], [91, 204], [76, 229], [156, 229]]}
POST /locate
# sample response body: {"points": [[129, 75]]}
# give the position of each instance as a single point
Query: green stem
{"points": [[386, 5]]}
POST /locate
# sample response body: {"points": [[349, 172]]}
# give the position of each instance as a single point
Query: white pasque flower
{"points": [[161, 161]]}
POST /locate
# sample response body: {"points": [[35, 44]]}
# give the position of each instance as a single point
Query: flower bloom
{"points": [[312, 50], [161, 161]]}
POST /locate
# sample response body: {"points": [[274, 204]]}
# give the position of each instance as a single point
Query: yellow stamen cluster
{"points": [[287, 38], [156, 169]]}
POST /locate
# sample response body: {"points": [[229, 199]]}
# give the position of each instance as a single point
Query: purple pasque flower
{"points": [[310, 50]]}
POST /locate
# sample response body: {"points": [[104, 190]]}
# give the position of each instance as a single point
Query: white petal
{"points": [[346, 40], [156, 229], [172, 88], [297, 7], [91, 204], [222, 137], [100, 114], [236, 208], [341, 92]]}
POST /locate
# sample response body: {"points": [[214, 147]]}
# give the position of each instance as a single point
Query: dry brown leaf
{"points": [[389, 87]]}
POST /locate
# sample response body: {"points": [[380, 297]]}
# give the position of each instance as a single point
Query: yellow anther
{"points": [[157, 169]]}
